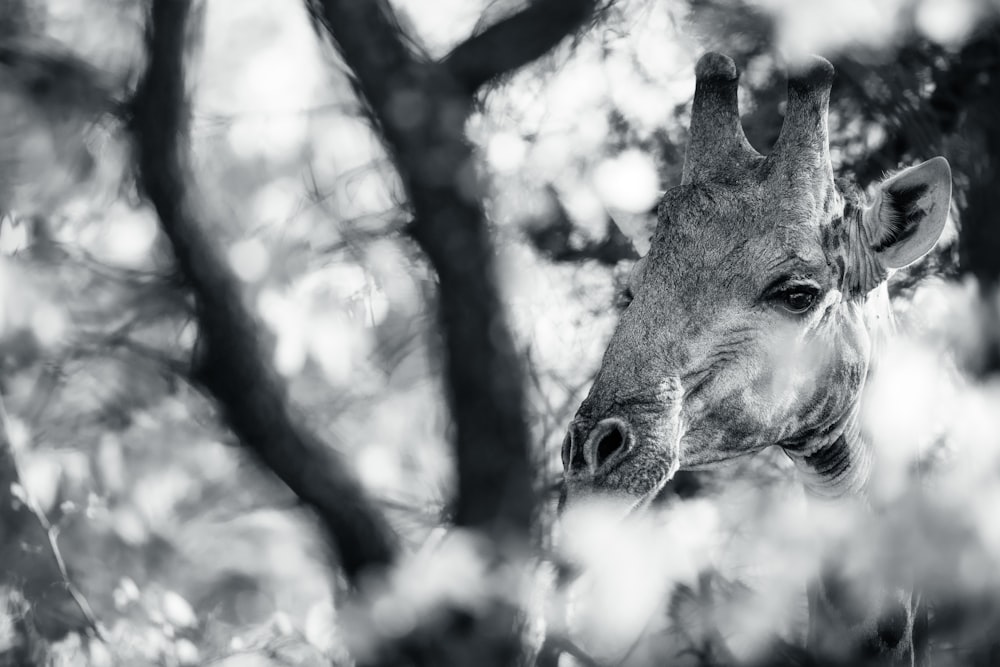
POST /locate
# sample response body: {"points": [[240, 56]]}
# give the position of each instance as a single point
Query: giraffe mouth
{"points": [[633, 493], [646, 501], [627, 455]]}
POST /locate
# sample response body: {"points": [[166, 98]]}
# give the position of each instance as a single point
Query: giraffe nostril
{"points": [[607, 443], [595, 449]]}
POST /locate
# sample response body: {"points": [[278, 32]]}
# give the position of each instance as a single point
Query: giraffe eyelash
{"points": [[789, 282]]}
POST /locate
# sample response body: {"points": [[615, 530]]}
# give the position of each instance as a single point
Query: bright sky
{"points": [[442, 24]]}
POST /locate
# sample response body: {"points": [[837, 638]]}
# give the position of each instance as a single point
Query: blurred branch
{"points": [[49, 379], [552, 242], [557, 645], [960, 79], [909, 129], [151, 354], [30, 552], [370, 39], [231, 362], [979, 241], [435, 161], [976, 92], [516, 41], [421, 109], [554, 238], [54, 78], [138, 277]]}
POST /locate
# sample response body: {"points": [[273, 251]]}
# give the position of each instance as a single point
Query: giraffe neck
{"points": [[837, 461], [850, 618]]}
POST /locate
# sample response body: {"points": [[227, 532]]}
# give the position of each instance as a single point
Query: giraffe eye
{"points": [[798, 299]]}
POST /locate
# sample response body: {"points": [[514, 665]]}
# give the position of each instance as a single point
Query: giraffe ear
{"points": [[909, 212]]}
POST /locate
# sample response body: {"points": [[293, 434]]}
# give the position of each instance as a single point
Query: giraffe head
{"points": [[752, 317]]}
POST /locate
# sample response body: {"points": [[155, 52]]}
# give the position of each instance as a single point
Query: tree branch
{"points": [[232, 363], [553, 236], [421, 111], [516, 41], [369, 37]]}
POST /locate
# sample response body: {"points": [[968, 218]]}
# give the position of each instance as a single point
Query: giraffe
{"points": [[755, 320]]}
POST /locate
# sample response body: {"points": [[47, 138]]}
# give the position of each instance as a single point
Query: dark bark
{"points": [[979, 243], [421, 108], [971, 95], [232, 362], [516, 41]]}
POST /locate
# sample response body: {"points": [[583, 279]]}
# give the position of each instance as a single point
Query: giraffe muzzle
{"points": [[625, 447]]}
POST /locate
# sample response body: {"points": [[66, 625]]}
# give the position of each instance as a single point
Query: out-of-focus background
{"points": [[182, 549]]}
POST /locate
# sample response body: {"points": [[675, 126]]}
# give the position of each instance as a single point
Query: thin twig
{"points": [[51, 533]]}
